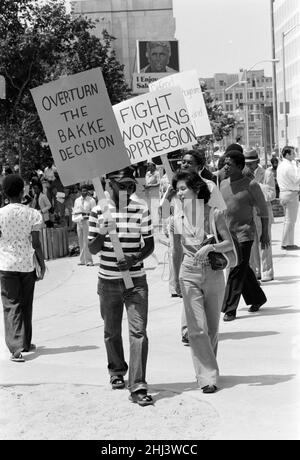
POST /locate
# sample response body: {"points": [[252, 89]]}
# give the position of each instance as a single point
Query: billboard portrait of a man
{"points": [[158, 56]]}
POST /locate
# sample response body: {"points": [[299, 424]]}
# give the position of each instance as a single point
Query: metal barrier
{"points": [[277, 208], [55, 242]]}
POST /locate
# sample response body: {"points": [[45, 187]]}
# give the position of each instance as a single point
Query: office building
{"points": [[287, 20], [226, 90], [129, 21]]}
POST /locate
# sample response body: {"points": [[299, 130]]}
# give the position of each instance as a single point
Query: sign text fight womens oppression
{"points": [[163, 121], [78, 132]]}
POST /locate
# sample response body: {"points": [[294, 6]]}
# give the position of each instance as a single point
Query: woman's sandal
{"points": [[17, 358], [141, 398], [209, 389], [117, 382]]}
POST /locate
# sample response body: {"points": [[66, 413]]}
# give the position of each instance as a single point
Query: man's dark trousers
{"points": [[242, 281]]}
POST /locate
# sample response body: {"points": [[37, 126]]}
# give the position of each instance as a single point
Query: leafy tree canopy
{"points": [[40, 43]]}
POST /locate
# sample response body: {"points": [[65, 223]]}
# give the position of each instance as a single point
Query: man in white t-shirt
{"points": [[288, 178], [83, 206]]}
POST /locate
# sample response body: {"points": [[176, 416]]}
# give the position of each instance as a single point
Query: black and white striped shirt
{"points": [[133, 225]]}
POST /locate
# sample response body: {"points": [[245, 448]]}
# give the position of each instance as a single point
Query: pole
{"points": [[274, 82], [284, 91], [246, 111], [270, 128]]}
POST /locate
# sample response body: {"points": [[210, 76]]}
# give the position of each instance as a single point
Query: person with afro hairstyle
{"points": [[19, 242]]}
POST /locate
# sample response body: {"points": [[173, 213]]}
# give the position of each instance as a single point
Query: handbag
{"points": [[233, 257], [216, 259]]}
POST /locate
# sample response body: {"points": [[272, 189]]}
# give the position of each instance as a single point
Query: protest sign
{"points": [[80, 126], [191, 90], [154, 124], [141, 81]]}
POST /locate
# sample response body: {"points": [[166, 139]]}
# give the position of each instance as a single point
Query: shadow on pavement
{"points": [[229, 381], [283, 279], [245, 335], [284, 254], [42, 351], [165, 390], [268, 311]]}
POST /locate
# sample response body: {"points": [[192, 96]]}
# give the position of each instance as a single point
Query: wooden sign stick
{"points": [[167, 166], [103, 202]]}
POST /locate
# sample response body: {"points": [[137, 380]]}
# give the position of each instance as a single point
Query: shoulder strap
{"points": [[232, 255], [212, 224]]}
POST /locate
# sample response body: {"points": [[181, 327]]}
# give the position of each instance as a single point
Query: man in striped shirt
{"points": [[132, 222]]}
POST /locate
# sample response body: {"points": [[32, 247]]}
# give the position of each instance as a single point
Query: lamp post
{"points": [[270, 129], [283, 35]]}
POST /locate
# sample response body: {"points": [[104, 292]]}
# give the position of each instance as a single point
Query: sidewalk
{"points": [[62, 390]]}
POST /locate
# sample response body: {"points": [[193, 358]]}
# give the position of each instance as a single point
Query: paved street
{"points": [[259, 357]]}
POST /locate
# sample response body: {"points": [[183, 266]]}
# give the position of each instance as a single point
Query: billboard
{"points": [[157, 56]]}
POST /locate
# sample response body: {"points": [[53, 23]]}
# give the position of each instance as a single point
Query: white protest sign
{"points": [[80, 126], [191, 90], [141, 81], [154, 124]]}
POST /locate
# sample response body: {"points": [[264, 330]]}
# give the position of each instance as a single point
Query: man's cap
{"points": [[123, 175], [251, 155]]}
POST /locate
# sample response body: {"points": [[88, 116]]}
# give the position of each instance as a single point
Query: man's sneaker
{"points": [[292, 247], [229, 317]]}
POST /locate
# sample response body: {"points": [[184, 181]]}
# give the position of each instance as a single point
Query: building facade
{"points": [[227, 90], [129, 21], [287, 20]]}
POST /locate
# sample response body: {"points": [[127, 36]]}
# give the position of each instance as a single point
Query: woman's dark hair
{"points": [[12, 185], [221, 162], [37, 183], [236, 147], [8, 171], [237, 157], [274, 160], [194, 182], [287, 149], [199, 156]]}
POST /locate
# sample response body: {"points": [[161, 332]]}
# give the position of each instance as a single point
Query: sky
{"points": [[223, 35], [218, 36]]}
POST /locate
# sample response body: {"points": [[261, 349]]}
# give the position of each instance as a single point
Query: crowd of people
{"points": [[218, 224]]}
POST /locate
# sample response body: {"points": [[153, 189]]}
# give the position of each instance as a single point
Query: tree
{"points": [[40, 43], [222, 123]]}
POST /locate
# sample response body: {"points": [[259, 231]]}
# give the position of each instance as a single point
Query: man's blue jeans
{"points": [[113, 295]]}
